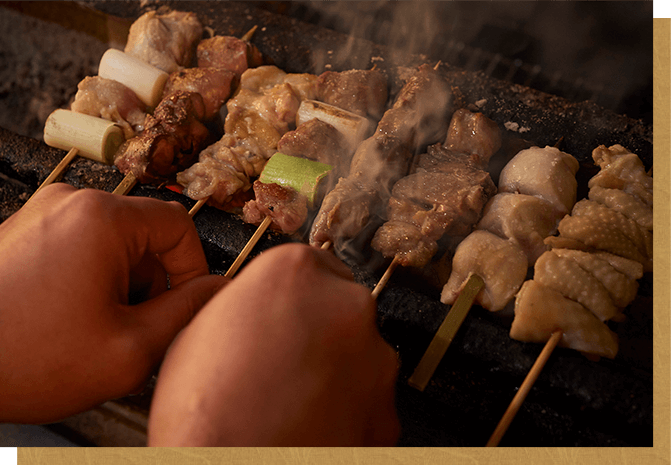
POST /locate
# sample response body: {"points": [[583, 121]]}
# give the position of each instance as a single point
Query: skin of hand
{"points": [[288, 354], [72, 263]]}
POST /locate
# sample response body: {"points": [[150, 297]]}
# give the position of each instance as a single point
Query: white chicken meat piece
{"points": [[547, 173], [500, 263], [522, 219], [621, 169], [540, 311], [627, 204], [573, 282], [166, 41], [110, 100]]}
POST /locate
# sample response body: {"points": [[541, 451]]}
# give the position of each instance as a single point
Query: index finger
{"points": [[166, 230]]}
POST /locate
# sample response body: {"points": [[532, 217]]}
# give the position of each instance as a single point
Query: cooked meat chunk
{"points": [[597, 212], [167, 41], [409, 245], [540, 311], [213, 84], [260, 113], [319, 141], [621, 287], [448, 201], [500, 263], [110, 100], [172, 139], [522, 219], [627, 204], [546, 173], [221, 172], [573, 282], [418, 116], [287, 207], [621, 169], [599, 235], [474, 134], [229, 53], [363, 92]]}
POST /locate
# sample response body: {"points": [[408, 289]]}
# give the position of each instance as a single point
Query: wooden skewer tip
{"points": [[249, 246], [524, 389]]}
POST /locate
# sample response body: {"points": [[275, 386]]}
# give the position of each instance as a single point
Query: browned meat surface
{"points": [[409, 245], [111, 100], [436, 203], [474, 134], [263, 109], [213, 84], [172, 139], [229, 53], [319, 141], [167, 41], [418, 116], [363, 92], [221, 173], [287, 207]]}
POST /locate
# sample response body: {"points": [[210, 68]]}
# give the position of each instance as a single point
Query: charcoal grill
{"points": [[575, 402]]}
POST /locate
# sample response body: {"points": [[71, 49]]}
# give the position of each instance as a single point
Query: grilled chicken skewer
{"points": [[99, 100], [269, 104], [591, 272], [175, 137], [536, 188], [442, 196]]}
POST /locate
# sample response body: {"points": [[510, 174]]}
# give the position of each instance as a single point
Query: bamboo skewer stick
{"points": [[58, 170], [385, 277], [197, 206], [446, 332], [249, 246], [125, 185], [524, 389]]}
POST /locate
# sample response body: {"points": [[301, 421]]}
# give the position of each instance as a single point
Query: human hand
{"points": [[288, 354], [72, 262]]}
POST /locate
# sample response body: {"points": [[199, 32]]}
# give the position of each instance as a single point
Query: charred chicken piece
{"points": [[262, 110], [418, 116], [447, 201], [319, 141], [166, 41], [172, 138], [229, 53], [445, 192], [213, 84], [287, 207], [363, 92]]}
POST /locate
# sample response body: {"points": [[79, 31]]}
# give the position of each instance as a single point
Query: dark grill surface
{"points": [[575, 402]]}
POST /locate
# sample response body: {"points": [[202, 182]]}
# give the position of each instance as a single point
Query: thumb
{"points": [[160, 319]]}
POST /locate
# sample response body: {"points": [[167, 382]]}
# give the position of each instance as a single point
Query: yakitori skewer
{"points": [[96, 138], [84, 135], [619, 236], [470, 276], [297, 175]]}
